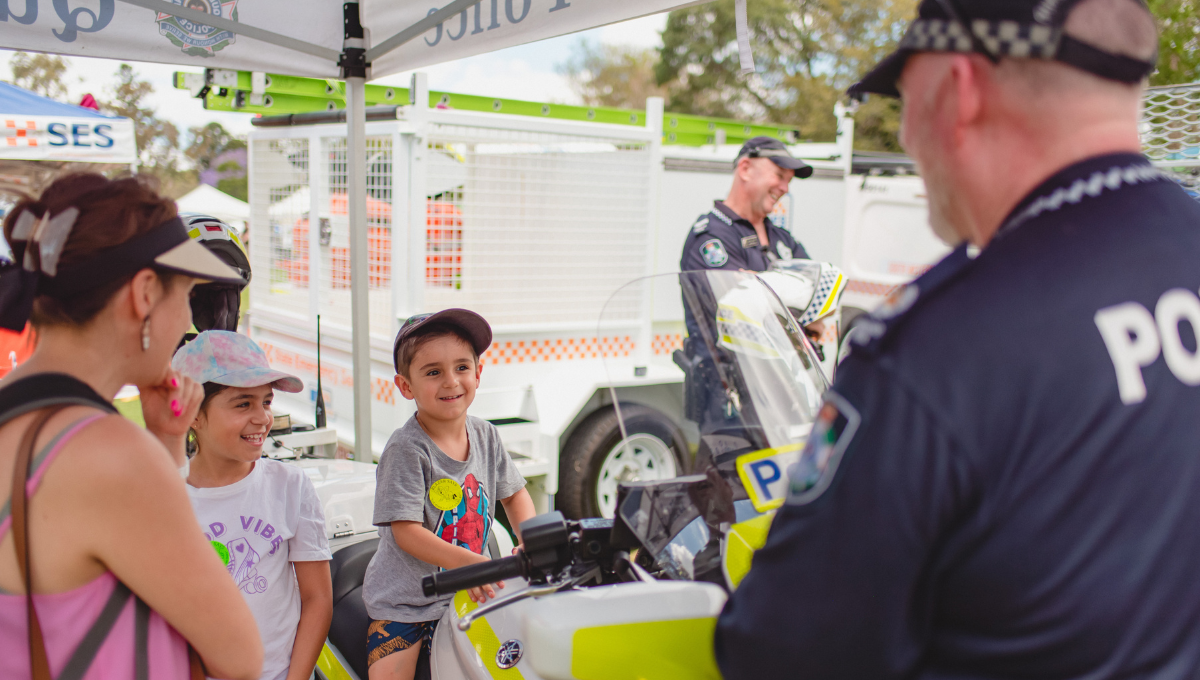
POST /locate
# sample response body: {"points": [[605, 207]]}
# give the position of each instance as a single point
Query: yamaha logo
{"points": [[509, 654]]}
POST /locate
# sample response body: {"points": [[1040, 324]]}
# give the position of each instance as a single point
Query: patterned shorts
{"points": [[385, 637]]}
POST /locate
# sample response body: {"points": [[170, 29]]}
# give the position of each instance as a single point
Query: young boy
{"points": [[437, 481]]}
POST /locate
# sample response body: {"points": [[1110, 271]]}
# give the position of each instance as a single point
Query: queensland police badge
{"points": [[197, 39]]}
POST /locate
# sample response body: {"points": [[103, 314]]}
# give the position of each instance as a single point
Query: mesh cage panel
{"points": [[533, 227], [334, 300], [1170, 125], [279, 207]]}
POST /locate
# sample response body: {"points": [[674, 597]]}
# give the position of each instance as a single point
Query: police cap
{"points": [[1000, 28], [769, 147]]}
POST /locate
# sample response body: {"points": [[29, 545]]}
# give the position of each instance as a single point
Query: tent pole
{"points": [[360, 318]]}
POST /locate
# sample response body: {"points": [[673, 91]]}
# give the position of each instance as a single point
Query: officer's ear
{"points": [[744, 168]]}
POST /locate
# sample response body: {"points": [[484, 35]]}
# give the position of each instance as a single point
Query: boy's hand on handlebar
{"points": [[484, 593]]}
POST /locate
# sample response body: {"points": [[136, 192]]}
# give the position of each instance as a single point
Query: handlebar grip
{"points": [[454, 580]]}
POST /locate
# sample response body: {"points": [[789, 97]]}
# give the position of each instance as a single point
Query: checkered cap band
{"points": [[1001, 38]]}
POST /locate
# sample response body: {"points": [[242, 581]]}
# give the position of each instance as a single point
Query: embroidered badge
{"points": [[445, 494], [785, 253], [836, 423], [713, 252], [749, 242]]}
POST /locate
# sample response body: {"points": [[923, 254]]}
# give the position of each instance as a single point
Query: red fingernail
{"points": [[174, 382], [175, 407]]}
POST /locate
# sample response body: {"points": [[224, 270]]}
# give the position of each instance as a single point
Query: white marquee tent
{"points": [[209, 200], [354, 41]]}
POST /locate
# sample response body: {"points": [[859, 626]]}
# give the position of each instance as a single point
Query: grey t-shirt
{"points": [[413, 479]]}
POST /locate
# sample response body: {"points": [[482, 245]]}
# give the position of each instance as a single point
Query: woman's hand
{"points": [[169, 408]]}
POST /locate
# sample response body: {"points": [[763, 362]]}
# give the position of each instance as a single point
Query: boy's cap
{"points": [[230, 359], [476, 328], [999, 28], [777, 151]]}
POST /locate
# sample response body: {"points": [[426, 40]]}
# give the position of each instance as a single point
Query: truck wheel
{"points": [[595, 459]]}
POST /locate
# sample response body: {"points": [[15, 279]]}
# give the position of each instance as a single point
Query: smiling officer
{"points": [[736, 233], [1004, 481]]}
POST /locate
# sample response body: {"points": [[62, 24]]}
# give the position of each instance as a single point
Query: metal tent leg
{"points": [[360, 311]]}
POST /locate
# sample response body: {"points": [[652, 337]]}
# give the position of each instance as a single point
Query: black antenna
{"points": [[320, 415]]}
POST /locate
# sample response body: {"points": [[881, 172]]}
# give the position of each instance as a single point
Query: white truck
{"points": [[533, 223]]}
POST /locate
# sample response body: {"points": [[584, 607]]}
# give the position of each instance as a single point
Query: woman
{"points": [[104, 270]]}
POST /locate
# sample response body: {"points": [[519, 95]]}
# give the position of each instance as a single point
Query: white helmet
{"points": [[811, 289]]}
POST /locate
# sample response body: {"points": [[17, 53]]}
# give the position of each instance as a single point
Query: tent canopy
{"points": [[209, 200], [34, 128], [306, 37]]}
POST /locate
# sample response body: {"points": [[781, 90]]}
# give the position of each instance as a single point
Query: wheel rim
{"points": [[641, 457]]}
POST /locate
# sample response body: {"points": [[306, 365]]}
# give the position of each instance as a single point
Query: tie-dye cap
{"points": [[230, 359]]}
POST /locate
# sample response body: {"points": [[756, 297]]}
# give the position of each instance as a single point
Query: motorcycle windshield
{"points": [[751, 389]]}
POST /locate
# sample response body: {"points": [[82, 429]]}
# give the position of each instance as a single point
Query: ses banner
{"points": [[118, 29], [52, 138]]}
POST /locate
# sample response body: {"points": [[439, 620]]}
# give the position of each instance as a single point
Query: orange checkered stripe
{"points": [[557, 349], [382, 390], [16, 133], [665, 344], [868, 288]]}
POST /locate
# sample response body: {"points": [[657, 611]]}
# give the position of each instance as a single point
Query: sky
{"points": [[523, 72]]}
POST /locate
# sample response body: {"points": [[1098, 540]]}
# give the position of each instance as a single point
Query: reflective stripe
{"points": [[483, 639], [650, 650]]}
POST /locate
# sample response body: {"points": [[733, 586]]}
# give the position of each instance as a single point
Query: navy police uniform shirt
{"points": [[721, 239], [1004, 481]]}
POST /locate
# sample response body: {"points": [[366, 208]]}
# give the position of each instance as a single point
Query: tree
{"points": [[40, 73], [208, 142], [613, 75], [157, 139], [807, 52], [1178, 42]]}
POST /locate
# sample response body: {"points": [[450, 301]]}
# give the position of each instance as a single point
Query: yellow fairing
{"points": [[483, 639], [329, 665], [652, 650], [743, 540]]}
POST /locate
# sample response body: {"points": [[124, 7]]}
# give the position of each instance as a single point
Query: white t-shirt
{"points": [[265, 522]]}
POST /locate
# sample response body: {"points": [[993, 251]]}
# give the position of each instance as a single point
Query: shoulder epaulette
{"points": [[876, 326], [701, 225]]}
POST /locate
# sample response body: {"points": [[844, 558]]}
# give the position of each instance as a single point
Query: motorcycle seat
{"points": [[348, 567]]}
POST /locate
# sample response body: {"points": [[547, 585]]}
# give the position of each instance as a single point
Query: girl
{"points": [[262, 516], [107, 268]]}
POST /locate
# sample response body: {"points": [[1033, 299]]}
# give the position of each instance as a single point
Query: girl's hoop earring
{"points": [[146, 334]]}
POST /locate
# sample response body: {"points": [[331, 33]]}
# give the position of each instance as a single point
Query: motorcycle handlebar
{"points": [[454, 580]]}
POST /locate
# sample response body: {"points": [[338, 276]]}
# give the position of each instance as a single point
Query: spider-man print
{"points": [[468, 524]]}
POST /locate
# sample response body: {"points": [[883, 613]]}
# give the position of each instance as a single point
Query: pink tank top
{"points": [[71, 621]]}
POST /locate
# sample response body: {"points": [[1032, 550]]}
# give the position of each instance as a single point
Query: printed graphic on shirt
{"points": [[241, 558], [835, 426], [713, 252], [785, 253], [467, 524]]}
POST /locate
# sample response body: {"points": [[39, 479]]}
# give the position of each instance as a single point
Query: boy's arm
{"points": [[316, 612], [518, 508], [414, 539]]}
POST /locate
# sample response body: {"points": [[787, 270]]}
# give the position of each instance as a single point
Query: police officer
{"points": [[736, 233], [1004, 481]]}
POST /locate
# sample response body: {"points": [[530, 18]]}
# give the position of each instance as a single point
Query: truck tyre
{"points": [[595, 459]]}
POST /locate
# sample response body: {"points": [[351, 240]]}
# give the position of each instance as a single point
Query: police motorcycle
{"points": [[635, 596]]}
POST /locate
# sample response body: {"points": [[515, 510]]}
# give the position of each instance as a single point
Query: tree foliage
{"points": [[40, 73], [208, 142], [613, 75], [807, 52], [1178, 42], [158, 140]]}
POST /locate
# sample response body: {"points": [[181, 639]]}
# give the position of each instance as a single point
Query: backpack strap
{"points": [[39, 664], [41, 390]]}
